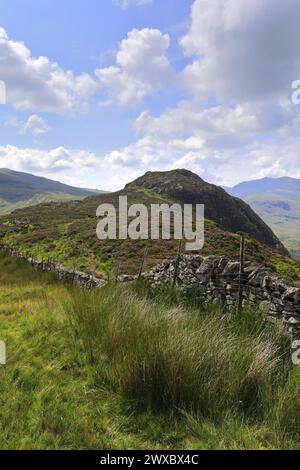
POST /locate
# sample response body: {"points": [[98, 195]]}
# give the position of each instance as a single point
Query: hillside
{"points": [[22, 189], [277, 201], [66, 232], [230, 213]]}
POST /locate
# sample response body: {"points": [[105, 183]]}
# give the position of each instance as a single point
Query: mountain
{"points": [[229, 212], [279, 186], [22, 189], [277, 201], [66, 231]]}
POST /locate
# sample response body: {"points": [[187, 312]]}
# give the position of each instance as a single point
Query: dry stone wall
{"points": [[217, 281], [215, 278], [85, 281]]}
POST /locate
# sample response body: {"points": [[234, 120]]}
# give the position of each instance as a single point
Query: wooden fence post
{"points": [[241, 274], [143, 263], [177, 263], [118, 271]]}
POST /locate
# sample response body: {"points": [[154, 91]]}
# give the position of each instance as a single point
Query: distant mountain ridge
{"points": [[18, 189], [277, 201], [280, 186], [229, 212]]}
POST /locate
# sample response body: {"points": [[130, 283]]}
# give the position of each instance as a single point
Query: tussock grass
{"points": [[178, 360], [122, 368]]}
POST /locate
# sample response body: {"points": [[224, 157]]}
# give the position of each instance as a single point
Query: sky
{"points": [[99, 92]]}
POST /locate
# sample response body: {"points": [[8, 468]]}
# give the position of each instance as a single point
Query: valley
{"points": [[277, 201]]}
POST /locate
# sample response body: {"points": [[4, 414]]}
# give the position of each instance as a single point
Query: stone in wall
{"points": [[217, 280]]}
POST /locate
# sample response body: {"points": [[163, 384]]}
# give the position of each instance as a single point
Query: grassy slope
{"points": [[110, 369], [7, 208], [67, 233], [18, 186], [284, 219], [48, 394]]}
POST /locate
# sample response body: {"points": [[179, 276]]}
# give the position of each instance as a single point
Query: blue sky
{"points": [[98, 92]]}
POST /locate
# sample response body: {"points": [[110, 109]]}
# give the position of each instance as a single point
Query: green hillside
{"points": [[230, 213], [18, 190], [66, 232], [277, 201], [111, 369], [282, 215], [7, 208]]}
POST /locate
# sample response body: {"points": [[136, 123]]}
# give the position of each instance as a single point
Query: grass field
{"points": [[112, 369]]}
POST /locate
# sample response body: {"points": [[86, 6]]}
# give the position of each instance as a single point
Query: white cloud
{"points": [[218, 126], [243, 50], [34, 124], [241, 118], [126, 3], [227, 166], [72, 166], [49, 161], [141, 66], [36, 83], [244, 56], [153, 153]]}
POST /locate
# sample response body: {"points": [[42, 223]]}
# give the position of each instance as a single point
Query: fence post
{"points": [[241, 274], [118, 271], [177, 263], [143, 263]]}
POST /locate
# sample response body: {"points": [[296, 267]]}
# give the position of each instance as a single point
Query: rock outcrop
{"points": [[229, 212]]}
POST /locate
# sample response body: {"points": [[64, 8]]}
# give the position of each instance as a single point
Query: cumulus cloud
{"points": [[33, 125], [36, 83], [187, 117], [221, 165], [72, 166], [48, 161], [142, 66], [243, 55], [242, 51], [36, 125], [149, 151]]}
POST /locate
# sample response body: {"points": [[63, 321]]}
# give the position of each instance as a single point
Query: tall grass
{"points": [[125, 369], [170, 358]]}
